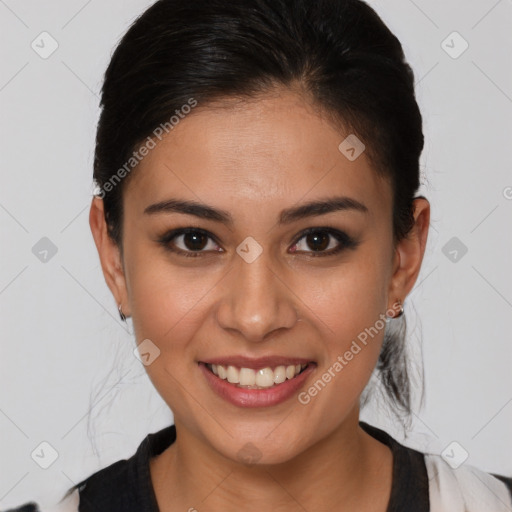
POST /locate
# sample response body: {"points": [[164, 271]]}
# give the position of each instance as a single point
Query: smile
{"points": [[256, 383], [250, 378]]}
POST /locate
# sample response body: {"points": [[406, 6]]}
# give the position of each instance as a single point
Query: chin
{"points": [[260, 448]]}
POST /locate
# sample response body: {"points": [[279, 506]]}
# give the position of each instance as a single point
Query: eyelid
{"points": [[172, 234], [344, 240]]}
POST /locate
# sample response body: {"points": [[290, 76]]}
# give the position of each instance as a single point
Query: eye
{"points": [[189, 242], [194, 242], [323, 241]]}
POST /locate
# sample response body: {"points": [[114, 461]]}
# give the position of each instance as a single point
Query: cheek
{"points": [[164, 298], [167, 309], [351, 305], [351, 299], [352, 352]]}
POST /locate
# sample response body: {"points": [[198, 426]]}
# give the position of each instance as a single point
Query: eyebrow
{"points": [[287, 216]]}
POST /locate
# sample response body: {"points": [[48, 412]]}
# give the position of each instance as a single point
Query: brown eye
{"points": [[189, 242], [324, 241], [318, 241], [194, 241]]}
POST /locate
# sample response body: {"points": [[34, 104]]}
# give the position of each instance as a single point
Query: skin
{"points": [[261, 156]]}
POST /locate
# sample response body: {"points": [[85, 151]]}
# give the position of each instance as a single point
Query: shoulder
{"points": [[426, 481], [93, 493], [69, 503], [124, 486], [110, 488], [465, 488]]}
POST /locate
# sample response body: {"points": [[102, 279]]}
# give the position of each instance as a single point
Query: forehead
{"points": [[260, 153]]}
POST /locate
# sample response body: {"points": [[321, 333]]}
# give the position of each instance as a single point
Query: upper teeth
{"points": [[264, 377]]}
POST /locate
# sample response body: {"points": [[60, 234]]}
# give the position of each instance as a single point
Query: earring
{"points": [[121, 314], [401, 312]]}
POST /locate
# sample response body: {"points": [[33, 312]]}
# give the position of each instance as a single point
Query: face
{"points": [[258, 283]]}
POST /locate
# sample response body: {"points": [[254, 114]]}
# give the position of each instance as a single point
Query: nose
{"points": [[257, 301]]}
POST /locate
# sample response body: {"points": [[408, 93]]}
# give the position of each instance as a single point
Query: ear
{"points": [[110, 255], [409, 253]]}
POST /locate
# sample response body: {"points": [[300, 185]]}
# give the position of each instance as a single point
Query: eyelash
{"points": [[345, 241]]}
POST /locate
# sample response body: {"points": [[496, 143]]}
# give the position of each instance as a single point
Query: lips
{"points": [[261, 382]]}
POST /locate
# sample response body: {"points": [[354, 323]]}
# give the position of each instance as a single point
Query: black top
{"points": [[126, 486], [132, 478]]}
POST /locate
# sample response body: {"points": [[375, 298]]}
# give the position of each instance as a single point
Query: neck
{"points": [[348, 467]]}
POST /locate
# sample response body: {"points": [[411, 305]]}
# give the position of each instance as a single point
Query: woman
{"points": [[257, 165]]}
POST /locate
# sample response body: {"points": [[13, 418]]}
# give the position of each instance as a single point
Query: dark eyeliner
{"points": [[166, 239], [345, 241]]}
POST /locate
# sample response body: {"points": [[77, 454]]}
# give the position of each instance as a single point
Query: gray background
{"points": [[64, 351]]}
